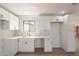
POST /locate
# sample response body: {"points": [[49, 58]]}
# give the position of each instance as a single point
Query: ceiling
{"points": [[39, 8]]}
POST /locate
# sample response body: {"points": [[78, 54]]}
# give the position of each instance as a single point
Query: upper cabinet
{"points": [[13, 20]]}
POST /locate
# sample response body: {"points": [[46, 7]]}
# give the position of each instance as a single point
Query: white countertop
{"points": [[19, 37], [14, 37]]}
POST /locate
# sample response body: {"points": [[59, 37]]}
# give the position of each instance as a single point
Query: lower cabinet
{"points": [[9, 47], [26, 45], [47, 45], [1, 53]]}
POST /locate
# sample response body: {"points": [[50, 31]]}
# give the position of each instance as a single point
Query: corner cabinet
{"points": [[26, 45]]}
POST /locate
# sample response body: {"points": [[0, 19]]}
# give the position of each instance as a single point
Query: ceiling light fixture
{"points": [[63, 12]]}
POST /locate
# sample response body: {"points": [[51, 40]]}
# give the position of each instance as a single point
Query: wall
{"points": [[42, 24]]}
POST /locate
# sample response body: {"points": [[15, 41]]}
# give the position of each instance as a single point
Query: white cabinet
{"points": [[13, 22], [9, 47], [26, 45], [47, 45]]}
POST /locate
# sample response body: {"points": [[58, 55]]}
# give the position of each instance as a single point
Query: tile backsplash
{"points": [[6, 34]]}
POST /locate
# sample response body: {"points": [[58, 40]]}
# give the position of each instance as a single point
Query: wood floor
{"points": [[40, 52], [56, 52]]}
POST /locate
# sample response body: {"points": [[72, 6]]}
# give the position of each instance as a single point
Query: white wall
{"points": [[43, 24]]}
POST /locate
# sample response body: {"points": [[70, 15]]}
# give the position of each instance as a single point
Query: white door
{"points": [[26, 45], [55, 34]]}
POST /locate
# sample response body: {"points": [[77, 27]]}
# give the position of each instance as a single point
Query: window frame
{"points": [[29, 23]]}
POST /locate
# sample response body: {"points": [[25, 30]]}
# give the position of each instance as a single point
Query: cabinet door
{"points": [[13, 22], [26, 45], [47, 45], [10, 46]]}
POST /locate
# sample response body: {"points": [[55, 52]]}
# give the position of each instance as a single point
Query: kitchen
{"points": [[26, 31]]}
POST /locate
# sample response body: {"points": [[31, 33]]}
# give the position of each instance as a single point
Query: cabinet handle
{"points": [[25, 42]]}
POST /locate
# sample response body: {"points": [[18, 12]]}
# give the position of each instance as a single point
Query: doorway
{"points": [[56, 33]]}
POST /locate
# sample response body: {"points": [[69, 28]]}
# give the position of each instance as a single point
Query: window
{"points": [[29, 26]]}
